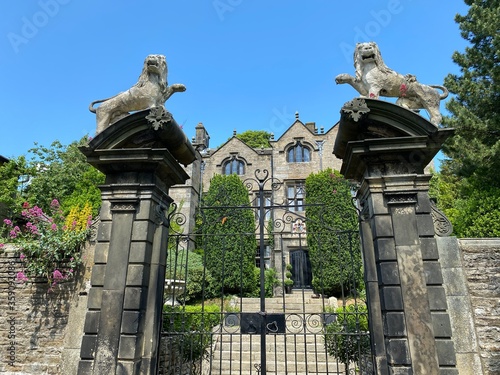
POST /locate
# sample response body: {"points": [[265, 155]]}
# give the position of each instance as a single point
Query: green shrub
{"points": [[347, 337], [332, 234], [229, 236], [187, 265], [49, 243], [271, 281], [190, 328]]}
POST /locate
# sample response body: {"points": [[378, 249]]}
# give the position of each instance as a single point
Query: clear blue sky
{"points": [[247, 64]]}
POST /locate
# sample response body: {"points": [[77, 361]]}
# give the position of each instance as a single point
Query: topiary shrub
{"points": [[332, 234], [270, 281], [228, 231]]}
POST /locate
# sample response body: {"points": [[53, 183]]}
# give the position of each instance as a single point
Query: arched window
{"points": [[233, 166], [299, 154]]}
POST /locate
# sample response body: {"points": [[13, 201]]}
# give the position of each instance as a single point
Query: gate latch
{"points": [[251, 323]]}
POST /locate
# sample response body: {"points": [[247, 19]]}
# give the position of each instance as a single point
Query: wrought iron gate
{"points": [[228, 309]]}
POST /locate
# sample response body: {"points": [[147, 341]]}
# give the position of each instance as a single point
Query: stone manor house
{"points": [[301, 150]]}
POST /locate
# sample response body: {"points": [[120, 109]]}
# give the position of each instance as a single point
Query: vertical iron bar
{"points": [[262, 279]]}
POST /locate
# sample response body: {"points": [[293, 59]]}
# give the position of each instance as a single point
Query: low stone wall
{"points": [[481, 265], [40, 331]]}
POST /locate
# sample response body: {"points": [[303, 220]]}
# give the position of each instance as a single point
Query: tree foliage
{"points": [[10, 192], [472, 208], [55, 172], [467, 187], [332, 234], [475, 107], [228, 228], [255, 138]]}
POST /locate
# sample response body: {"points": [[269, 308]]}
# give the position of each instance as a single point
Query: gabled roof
{"points": [[298, 123], [233, 139]]}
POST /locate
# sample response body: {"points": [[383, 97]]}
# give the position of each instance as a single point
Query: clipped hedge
{"points": [[332, 234], [228, 229]]}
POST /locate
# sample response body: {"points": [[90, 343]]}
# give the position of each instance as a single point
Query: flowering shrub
{"points": [[49, 244]]}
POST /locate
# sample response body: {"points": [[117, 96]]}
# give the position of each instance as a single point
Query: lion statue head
{"points": [[368, 53]]}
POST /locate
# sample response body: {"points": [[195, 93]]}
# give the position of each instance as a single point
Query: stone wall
{"points": [[40, 331], [471, 273], [481, 265]]}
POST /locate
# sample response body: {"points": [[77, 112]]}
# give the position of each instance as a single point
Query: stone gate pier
{"points": [[140, 156], [386, 148]]}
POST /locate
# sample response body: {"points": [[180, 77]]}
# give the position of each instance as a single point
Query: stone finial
{"points": [[373, 79], [297, 115], [355, 109]]}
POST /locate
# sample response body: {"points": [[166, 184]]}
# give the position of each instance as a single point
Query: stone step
{"points": [[297, 307], [237, 366], [290, 355], [276, 305], [300, 350], [245, 344]]}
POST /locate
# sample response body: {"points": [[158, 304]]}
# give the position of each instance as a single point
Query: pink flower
{"points": [[2, 245], [53, 227], [21, 277], [22, 256], [7, 222], [54, 203], [57, 275], [334, 191], [34, 212], [14, 232], [26, 205], [34, 229]]}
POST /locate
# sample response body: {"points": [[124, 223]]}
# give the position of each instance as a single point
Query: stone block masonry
{"points": [[481, 267], [36, 326]]}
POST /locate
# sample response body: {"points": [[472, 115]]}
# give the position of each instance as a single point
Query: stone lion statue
{"points": [[373, 79], [151, 90]]}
